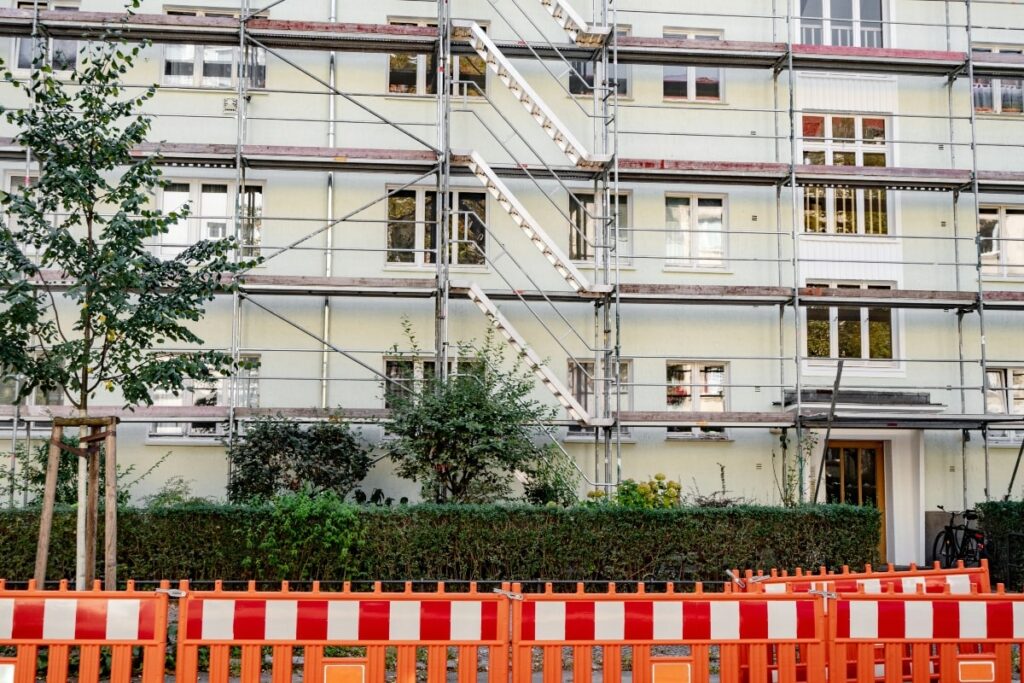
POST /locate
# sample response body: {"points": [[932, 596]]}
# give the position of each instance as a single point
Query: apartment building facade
{"points": [[685, 226]]}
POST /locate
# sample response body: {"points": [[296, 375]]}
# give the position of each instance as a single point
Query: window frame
{"points": [[863, 321], [695, 432], [419, 370], [858, 146], [45, 5], [710, 35], [996, 84], [424, 60], [576, 367], [625, 245], [208, 432], [420, 239], [996, 265], [693, 262], [195, 222], [198, 55], [1005, 388], [583, 85], [856, 21]]}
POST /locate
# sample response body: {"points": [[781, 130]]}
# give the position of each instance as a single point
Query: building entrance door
{"points": [[855, 475]]}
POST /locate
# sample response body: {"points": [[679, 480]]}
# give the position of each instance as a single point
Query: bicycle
{"points": [[959, 542]]}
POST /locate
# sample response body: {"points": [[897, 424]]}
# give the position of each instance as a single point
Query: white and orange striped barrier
{"points": [[959, 580], [90, 622], [218, 620], [737, 626]]}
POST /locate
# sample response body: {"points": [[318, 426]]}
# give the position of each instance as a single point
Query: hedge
{"points": [[1003, 522], [288, 541]]}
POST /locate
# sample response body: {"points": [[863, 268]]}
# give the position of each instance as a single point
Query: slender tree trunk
{"points": [[83, 431]]}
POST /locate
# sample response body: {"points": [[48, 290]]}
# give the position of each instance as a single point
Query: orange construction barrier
{"points": [[672, 637], [959, 580], [345, 637], [926, 637], [99, 625]]}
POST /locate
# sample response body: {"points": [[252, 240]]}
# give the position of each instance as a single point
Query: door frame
{"points": [[880, 481]]}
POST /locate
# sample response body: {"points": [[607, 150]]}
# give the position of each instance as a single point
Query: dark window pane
{"points": [[814, 126], [402, 227], [880, 332], [849, 333], [674, 82], [818, 344], [708, 84]]}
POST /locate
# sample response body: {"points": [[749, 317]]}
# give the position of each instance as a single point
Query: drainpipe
{"points": [[332, 74]]}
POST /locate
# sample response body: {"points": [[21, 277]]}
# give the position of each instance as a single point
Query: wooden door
{"points": [[855, 474]]}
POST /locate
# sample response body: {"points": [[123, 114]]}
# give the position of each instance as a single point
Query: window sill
{"points": [[589, 265], [859, 368], [835, 236], [681, 438], [1003, 279], [233, 90], [198, 441], [1005, 442], [432, 268], [410, 97], [684, 102], [696, 270], [999, 116], [589, 438]]}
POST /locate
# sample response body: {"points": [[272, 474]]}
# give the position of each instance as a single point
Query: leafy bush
{"points": [[299, 537], [650, 495], [276, 456], [1003, 522]]}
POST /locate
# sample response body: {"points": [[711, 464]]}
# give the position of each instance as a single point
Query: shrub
{"points": [[276, 456]]}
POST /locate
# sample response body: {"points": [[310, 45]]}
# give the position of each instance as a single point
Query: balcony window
{"points": [[843, 23]]}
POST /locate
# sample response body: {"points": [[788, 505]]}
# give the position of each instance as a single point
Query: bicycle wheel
{"points": [[944, 550], [969, 551]]}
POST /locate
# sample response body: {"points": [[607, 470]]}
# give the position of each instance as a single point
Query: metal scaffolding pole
{"points": [[332, 105], [443, 226]]}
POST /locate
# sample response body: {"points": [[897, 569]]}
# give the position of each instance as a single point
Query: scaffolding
{"points": [[594, 55]]}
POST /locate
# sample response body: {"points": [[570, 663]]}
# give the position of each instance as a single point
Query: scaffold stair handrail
{"points": [[497, 62]]}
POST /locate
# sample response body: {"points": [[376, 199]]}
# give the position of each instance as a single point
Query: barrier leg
{"points": [[729, 663], [282, 664], [375, 667], [186, 669], [466, 671], [612, 664], [1004, 663], [56, 664], [787, 663], [552, 664], [920, 663], [522, 665], [312, 666], [947, 663], [814, 663], [641, 664], [89, 664], [406, 665], [121, 664], [497, 664], [865, 663], [25, 664], [701, 665], [893, 662], [582, 664], [757, 658], [220, 663], [437, 664], [252, 662]]}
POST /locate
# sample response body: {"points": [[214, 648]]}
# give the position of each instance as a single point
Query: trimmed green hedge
{"points": [[332, 541], [1004, 524]]}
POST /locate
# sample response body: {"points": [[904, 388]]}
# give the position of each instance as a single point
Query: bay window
{"points": [[845, 140]]}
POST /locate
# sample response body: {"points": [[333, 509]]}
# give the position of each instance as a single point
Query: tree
{"points": [[466, 438], [85, 222], [276, 456]]}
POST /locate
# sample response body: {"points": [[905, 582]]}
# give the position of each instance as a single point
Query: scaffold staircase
{"points": [[497, 62], [573, 24]]}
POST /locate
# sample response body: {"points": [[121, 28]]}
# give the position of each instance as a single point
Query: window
{"points": [[849, 332], [413, 74], [692, 83], [212, 66], [696, 231], [841, 22], [585, 216], [213, 212], [213, 392], [411, 372], [1004, 393], [62, 55], [845, 140], [1001, 235], [695, 388], [37, 397], [582, 376], [581, 77], [998, 95], [413, 215]]}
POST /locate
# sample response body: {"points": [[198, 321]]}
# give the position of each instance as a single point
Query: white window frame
{"points": [[865, 339], [423, 60], [576, 368], [996, 83], [196, 222], [858, 146], [419, 370], [248, 394], [1004, 436], [625, 73], [697, 433], [625, 245], [994, 264], [422, 225], [688, 239], [198, 60], [691, 71], [45, 5], [9, 183], [36, 398], [824, 25]]}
